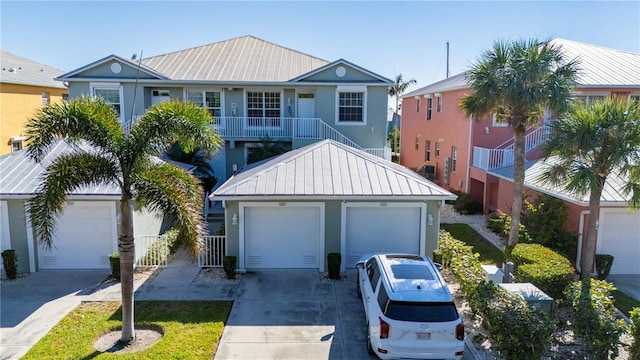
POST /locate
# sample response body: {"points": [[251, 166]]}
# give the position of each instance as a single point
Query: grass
{"points": [[191, 329], [624, 302], [489, 254]]}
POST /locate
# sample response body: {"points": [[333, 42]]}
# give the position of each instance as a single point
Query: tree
{"points": [[265, 149], [518, 81], [398, 88], [125, 159], [197, 157], [590, 145]]}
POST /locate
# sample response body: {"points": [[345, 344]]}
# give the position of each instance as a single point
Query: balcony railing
{"points": [[490, 159]]}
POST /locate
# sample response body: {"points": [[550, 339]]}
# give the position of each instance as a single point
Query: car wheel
{"points": [[358, 287], [369, 347]]}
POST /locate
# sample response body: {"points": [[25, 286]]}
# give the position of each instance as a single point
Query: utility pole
{"points": [[447, 59]]}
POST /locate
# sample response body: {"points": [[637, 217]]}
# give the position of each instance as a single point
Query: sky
{"points": [[388, 38]]}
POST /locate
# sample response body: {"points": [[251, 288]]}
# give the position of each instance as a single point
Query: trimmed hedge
{"points": [[520, 331], [543, 267], [634, 329]]}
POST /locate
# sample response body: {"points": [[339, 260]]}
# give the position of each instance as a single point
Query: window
{"points": [[427, 150], [635, 97], [45, 98], [16, 144], [454, 156], [110, 93], [439, 104], [373, 273], [589, 99], [429, 108], [437, 149], [65, 97], [210, 100], [351, 106], [421, 311], [417, 104]]}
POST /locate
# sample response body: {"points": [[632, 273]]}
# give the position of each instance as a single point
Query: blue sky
{"points": [[385, 37]]}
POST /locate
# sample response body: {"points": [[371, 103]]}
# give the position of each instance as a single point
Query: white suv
{"points": [[410, 311]]}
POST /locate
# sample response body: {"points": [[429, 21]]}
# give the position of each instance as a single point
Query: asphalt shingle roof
{"points": [[328, 169], [19, 70]]}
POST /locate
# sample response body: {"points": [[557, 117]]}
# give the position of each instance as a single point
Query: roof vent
{"points": [[419, 287], [13, 69]]}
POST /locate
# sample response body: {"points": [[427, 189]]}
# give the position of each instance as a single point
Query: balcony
{"points": [[286, 129], [490, 159]]}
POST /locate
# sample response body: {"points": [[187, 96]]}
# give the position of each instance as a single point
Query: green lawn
{"points": [[624, 302], [489, 254], [191, 329]]}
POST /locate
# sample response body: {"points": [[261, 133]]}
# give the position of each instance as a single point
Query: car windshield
{"points": [[421, 311]]}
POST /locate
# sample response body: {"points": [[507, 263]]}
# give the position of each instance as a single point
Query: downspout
{"points": [[466, 187], [580, 233]]}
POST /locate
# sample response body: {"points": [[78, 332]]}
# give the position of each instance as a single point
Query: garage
{"points": [[283, 235], [371, 228], [86, 235], [620, 236]]}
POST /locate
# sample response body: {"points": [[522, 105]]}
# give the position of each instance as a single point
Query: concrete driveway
{"points": [[32, 306], [294, 315]]}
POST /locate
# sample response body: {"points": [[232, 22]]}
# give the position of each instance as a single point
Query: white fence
{"points": [[215, 249], [152, 250]]}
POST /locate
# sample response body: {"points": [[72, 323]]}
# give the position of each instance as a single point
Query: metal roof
{"points": [[244, 58], [599, 67], [329, 170], [20, 176], [602, 66], [19, 70], [611, 194]]}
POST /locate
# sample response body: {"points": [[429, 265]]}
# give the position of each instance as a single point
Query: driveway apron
{"points": [[284, 314]]}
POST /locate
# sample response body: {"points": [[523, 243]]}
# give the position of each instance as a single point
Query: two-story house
{"points": [[476, 157], [252, 88], [27, 86]]}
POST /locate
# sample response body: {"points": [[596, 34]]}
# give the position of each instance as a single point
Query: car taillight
{"points": [[460, 331], [384, 329]]}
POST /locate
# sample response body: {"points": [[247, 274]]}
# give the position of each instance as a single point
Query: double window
{"points": [[209, 100], [263, 108], [589, 99]]}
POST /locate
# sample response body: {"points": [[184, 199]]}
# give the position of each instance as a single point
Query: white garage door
{"points": [[282, 237], [86, 235], [381, 229], [621, 238]]}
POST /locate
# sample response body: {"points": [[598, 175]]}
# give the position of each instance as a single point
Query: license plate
{"points": [[423, 335]]}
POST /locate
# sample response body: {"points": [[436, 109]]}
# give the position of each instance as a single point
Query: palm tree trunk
{"points": [[518, 183], [127, 255], [589, 247]]}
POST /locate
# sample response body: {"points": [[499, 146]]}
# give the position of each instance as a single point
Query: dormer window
{"points": [[17, 143]]}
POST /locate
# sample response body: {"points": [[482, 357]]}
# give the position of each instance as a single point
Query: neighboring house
{"points": [[25, 87], [469, 156], [252, 88], [87, 230], [295, 209]]}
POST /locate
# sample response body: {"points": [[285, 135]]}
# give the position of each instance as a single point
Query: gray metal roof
{"points": [[602, 66], [611, 194], [599, 67], [20, 176], [454, 82], [19, 70], [329, 170], [244, 58]]}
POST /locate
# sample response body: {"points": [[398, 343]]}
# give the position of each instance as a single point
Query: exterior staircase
{"points": [[502, 155]]}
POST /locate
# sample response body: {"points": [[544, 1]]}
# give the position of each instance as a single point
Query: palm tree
{"points": [[198, 158], [123, 158], [398, 88], [518, 82], [265, 149], [590, 145]]}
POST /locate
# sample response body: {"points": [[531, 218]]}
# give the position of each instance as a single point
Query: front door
{"points": [[306, 115]]}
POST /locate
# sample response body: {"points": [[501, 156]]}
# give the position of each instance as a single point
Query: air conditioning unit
{"points": [[535, 297]]}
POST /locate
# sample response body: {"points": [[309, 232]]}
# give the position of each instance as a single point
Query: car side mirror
{"points": [[438, 266], [360, 265]]}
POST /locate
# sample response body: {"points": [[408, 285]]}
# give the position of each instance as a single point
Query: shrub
{"points": [[10, 263], [603, 265], [334, 259], [501, 224], [465, 205], [173, 240], [596, 317], [634, 329], [229, 266], [114, 261], [507, 317], [543, 267]]}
